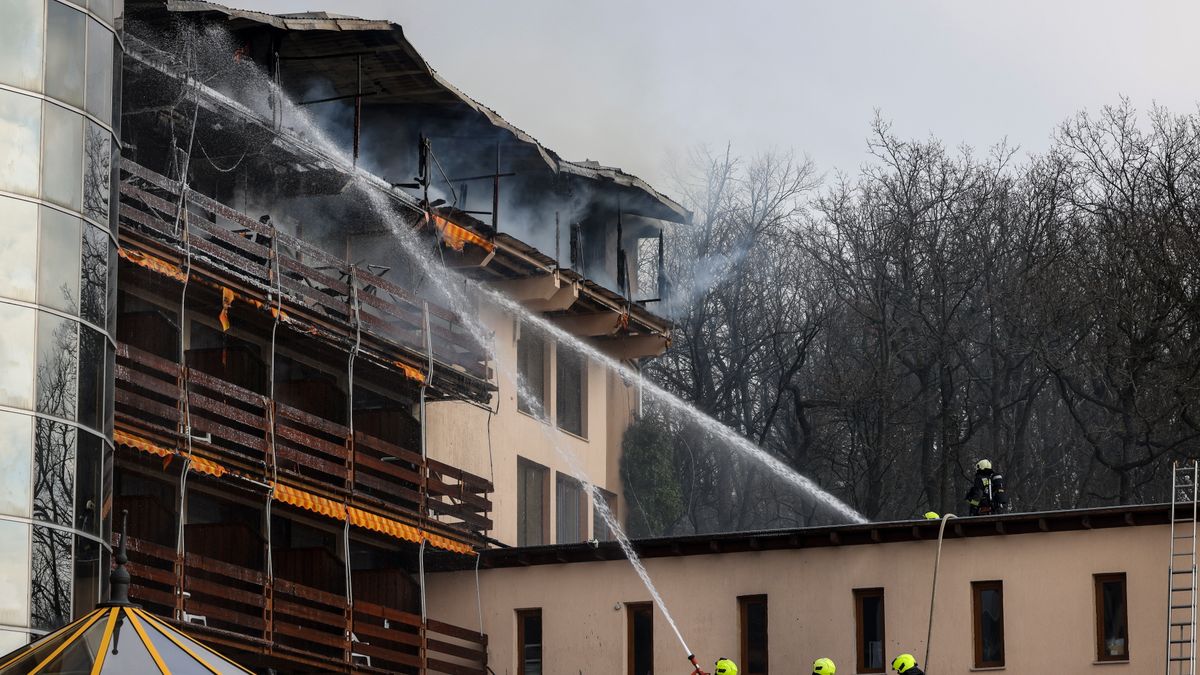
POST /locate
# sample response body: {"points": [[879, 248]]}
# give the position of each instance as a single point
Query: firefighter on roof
{"points": [[824, 667], [987, 493], [726, 667]]}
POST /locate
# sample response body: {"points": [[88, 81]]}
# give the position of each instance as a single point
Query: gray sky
{"points": [[635, 83]]}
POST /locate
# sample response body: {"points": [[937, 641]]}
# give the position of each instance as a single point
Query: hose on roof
{"points": [[937, 561]]}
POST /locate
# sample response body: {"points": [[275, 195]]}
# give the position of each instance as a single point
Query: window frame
{"points": [[566, 481], [1098, 582], [861, 594], [580, 361], [600, 529], [525, 332], [524, 465], [977, 590], [521, 615], [744, 603], [631, 608]]}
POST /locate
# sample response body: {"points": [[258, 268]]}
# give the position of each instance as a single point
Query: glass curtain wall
{"points": [[59, 104]]}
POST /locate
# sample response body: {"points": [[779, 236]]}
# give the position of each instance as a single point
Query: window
{"points": [[752, 618], [641, 638], [868, 621], [533, 505], [571, 392], [531, 366], [600, 529], [987, 609], [529, 642], [1112, 621], [571, 507]]}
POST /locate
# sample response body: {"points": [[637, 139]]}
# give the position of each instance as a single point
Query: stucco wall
{"points": [[1049, 609], [458, 433]]}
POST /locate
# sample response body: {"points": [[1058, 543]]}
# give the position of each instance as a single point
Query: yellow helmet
{"points": [[903, 663], [931, 515], [726, 667], [824, 666], [983, 465]]}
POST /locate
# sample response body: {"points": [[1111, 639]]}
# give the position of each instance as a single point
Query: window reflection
{"points": [[97, 172], [91, 377], [58, 260], [18, 340], [99, 71], [112, 286], [18, 246], [14, 573], [102, 9], [89, 479], [20, 142], [62, 157], [64, 53], [93, 283], [110, 367], [50, 582], [87, 574], [53, 471], [21, 43], [57, 365], [16, 454]]}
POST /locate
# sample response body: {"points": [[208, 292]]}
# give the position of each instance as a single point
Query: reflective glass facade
{"points": [[59, 104]]}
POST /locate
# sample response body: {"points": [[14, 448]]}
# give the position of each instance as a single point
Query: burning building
{"points": [[216, 322]]}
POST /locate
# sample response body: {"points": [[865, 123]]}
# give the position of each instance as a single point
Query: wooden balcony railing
{"points": [[291, 620], [229, 421], [316, 286]]}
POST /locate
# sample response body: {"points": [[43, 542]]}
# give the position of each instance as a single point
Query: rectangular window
{"points": [[1112, 627], [752, 618], [641, 638], [987, 604], [600, 528], [571, 392], [571, 505], [533, 504], [868, 621], [531, 365], [529, 642]]}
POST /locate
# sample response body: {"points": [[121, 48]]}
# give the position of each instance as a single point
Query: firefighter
{"points": [[932, 515], [905, 664], [823, 666], [725, 667], [987, 493]]}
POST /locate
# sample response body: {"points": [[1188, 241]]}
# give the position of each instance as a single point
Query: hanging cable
{"points": [[276, 294], [421, 572], [355, 309], [478, 599]]}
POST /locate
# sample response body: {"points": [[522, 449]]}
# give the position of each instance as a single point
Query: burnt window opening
{"points": [[224, 530], [571, 505], [533, 503], [306, 554], [309, 389], [226, 357], [531, 365], [147, 326], [571, 391], [752, 620], [529, 642], [641, 638]]}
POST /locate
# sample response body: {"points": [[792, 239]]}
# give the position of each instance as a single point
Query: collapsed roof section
{"points": [[409, 122]]}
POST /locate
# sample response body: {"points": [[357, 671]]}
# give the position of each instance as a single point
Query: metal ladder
{"points": [[1181, 599]]}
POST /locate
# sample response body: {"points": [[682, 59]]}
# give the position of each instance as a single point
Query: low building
{"points": [[1061, 592]]}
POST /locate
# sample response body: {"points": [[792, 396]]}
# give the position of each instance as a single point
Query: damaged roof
{"points": [[398, 73]]}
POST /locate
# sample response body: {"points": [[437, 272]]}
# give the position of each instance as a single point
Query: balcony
{"points": [[187, 237], [242, 609], [264, 439]]}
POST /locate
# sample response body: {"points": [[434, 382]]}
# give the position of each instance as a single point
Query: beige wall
{"points": [[1049, 609], [458, 433]]}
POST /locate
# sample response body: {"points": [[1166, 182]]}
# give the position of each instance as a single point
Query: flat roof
{"points": [[834, 535]]}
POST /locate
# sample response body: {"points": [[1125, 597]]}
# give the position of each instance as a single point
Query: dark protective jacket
{"points": [[987, 494], [914, 671]]}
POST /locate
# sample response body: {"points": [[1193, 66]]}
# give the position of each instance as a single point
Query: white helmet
{"points": [[983, 465]]}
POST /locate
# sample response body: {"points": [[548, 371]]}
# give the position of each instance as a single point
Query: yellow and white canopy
{"points": [[118, 638]]}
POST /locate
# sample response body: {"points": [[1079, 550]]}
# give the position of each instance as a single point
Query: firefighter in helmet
{"points": [[987, 493], [725, 667], [905, 664], [824, 666]]}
